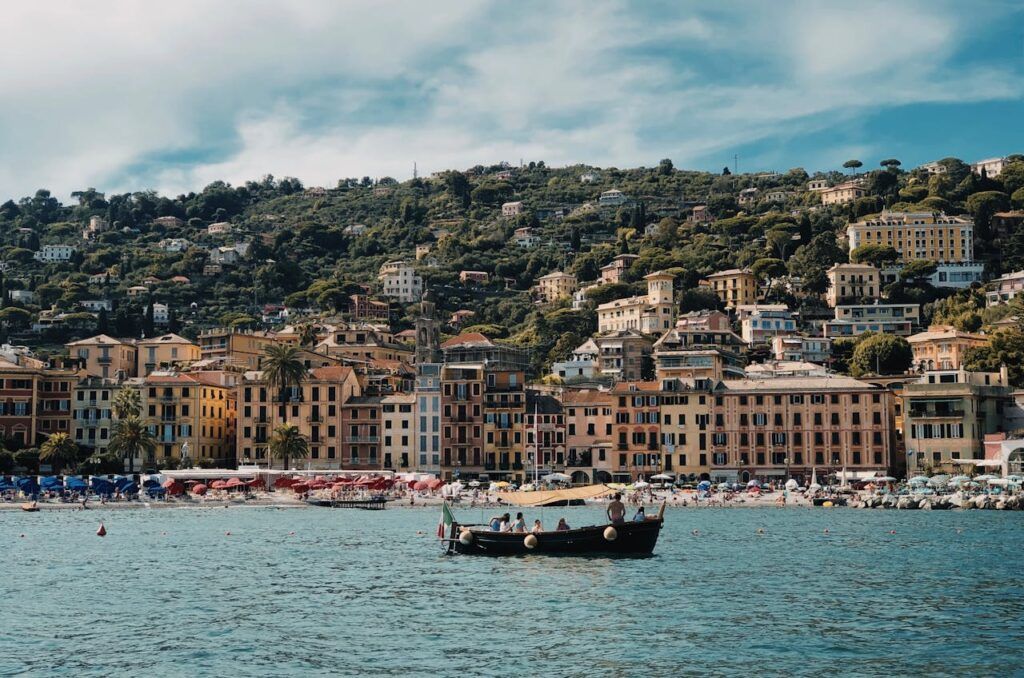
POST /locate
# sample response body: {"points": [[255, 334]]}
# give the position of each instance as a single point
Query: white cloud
{"points": [[320, 90]]}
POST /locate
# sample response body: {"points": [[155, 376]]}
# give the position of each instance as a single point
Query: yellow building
{"points": [[943, 347], [105, 357], [735, 287], [685, 414], [651, 313], [164, 352], [91, 412], [398, 412], [843, 193], [917, 235], [852, 281], [236, 348], [196, 408], [315, 408], [555, 286]]}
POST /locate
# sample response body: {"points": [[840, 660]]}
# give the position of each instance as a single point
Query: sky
{"points": [[127, 95]]}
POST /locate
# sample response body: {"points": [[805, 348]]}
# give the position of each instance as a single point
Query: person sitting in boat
{"points": [[506, 524], [537, 527], [520, 524], [495, 523], [562, 525], [616, 509], [640, 515]]}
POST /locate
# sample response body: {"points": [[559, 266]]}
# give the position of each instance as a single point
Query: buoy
{"points": [[530, 542], [465, 537], [760, 530], [827, 504], [826, 530], [610, 533], [892, 531], [227, 534], [291, 533], [22, 536], [102, 532], [695, 533]]}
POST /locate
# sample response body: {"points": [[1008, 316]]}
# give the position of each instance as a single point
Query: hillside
{"points": [[310, 248]]}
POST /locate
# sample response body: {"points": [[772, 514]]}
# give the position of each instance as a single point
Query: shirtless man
{"points": [[616, 509]]}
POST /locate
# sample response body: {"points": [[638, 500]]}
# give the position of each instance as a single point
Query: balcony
{"points": [[363, 439], [580, 461], [315, 419], [261, 419], [168, 398], [104, 360], [503, 466], [490, 466], [935, 414], [169, 418], [517, 466]]}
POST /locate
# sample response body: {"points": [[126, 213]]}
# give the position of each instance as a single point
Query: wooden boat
{"points": [[622, 539], [31, 508], [369, 504]]}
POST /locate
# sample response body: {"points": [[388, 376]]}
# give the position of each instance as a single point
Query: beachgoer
{"points": [[562, 525], [506, 523], [537, 527], [495, 524], [640, 515], [616, 510], [520, 524]]}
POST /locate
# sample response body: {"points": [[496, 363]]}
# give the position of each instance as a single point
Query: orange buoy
{"points": [[102, 532]]}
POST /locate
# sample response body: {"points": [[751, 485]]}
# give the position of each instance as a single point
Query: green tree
{"points": [[983, 205], [283, 370], [127, 403], [6, 462], [1004, 349], [881, 354], [131, 438], [810, 263], [891, 164], [699, 299], [853, 164], [287, 443], [918, 271], [877, 255], [60, 451]]}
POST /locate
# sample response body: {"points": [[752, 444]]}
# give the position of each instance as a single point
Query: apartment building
{"points": [[399, 414], [105, 357], [788, 426], [544, 434], [917, 235], [237, 348], [651, 313], [169, 351], [462, 438], [588, 435], [92, 419], [615, 270], [763, 326], [315, 408], [637, 430], [35, 401], [428, 412], [734, 287], [1005, 288], [852, 282], [623, 355], [362, 424], [504, 406], [842, 193], [853, 320], [400, 281], [802, 349], [685, 418], [555, 286], [948, 413], [943, 347]]}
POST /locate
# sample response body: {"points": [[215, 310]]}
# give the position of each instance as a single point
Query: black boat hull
{"points": [[630, 539]]}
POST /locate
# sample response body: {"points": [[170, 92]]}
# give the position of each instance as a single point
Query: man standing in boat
{"points": [[616, 509]]}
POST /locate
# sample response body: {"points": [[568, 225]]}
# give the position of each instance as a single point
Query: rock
{"points": [[925, 505]]}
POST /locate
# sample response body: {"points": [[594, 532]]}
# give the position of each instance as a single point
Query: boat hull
{"points": [[631, 539]]}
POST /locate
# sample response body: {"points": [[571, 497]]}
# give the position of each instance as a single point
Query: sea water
{"points": [[347, 592]]}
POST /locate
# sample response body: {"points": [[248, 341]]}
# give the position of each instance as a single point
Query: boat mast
{"points": [[536, 447]]}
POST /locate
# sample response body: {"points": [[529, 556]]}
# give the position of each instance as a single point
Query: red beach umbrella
{"points": [[199, 490], [218, 484]]}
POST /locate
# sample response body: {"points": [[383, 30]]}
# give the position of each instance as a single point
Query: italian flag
{"points": [[445, 524]]}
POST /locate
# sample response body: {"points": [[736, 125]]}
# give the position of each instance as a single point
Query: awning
{"points": [[862, 475], [539, 498]]}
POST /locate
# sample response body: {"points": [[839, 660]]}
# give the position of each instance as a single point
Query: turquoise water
{"points": [[168, 593]]}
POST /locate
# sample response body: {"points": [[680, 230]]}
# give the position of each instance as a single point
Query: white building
{"points": [[802, 349], [764, 326], [400, 281], [225, 255], [97, 305], [582, 366], [174, 244], [355, 229], [955, 275], [161, 314], [54, 253], [990, 167], [1006, 287], [22, 296], [525, 237], [612, 198]]}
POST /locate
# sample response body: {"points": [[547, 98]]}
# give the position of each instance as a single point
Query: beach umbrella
{"points": [[75, 484], [883, 479], [556, 478], [217, 485], [663, 476], [704, 485], [640, 484], [986, 476], [199, 490], [156, 491], [723, 486], [754, 482], [814, 477], [919, 480], [792, 484], [173, 487]]}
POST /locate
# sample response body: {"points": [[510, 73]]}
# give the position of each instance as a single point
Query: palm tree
{"points": [[287, 443], [132, 439], [127, 403], [60, 450], [283, 369]]}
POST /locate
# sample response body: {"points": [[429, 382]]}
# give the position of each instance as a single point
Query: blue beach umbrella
{"points": [[28, 485], [75, 484]]}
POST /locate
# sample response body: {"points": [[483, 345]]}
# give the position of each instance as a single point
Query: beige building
{"points": [[512, 209], [555, 286], [685, 415], [398, 412], [163, 352], [1005, 288], [917, 235], [613, 271], [588, 435], [943, 347], [105, 357], [196, 408], [245, 349], [843, 193], [946, 415], [848, 282], [315, 408], [856, 319], [92, 413], [622, 354], [650, 314], [734, 287]]}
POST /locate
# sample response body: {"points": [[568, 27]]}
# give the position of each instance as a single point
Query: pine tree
{"points": [[148, 324]]}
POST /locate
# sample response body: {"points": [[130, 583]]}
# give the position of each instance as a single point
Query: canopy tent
{"points": [[543, 497]]}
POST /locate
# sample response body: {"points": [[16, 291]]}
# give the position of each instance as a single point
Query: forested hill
{"points": [[310, 247]]}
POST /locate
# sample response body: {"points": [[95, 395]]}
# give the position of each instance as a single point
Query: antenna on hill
{"points": [[735, 164], [414, 174]]}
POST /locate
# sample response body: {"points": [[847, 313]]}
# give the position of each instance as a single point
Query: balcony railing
{"points": [[934, 414], [104, 360], [315, 419], [363, 439]]}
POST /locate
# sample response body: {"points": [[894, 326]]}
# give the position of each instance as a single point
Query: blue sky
{"points": [[172, 96]]}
